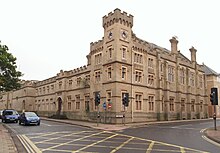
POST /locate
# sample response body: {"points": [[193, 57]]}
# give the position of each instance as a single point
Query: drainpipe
{"points": [[132, 111]]}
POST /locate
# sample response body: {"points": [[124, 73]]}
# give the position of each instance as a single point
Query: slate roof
{"points": [[208, 70]]}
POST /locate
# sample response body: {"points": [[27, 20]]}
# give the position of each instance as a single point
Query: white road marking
{"points": [[210, 141], [201, 131], [176, 127]]}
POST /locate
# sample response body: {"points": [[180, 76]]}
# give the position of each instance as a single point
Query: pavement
{"points": [[8, 145]]}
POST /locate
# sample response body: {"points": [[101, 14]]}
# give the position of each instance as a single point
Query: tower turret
{"points": [[117, 17]]}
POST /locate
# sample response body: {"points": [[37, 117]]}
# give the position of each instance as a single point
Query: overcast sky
{"points": [[49, 35]]}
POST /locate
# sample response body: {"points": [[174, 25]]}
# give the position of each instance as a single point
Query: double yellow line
{"points": [[28, 144]]}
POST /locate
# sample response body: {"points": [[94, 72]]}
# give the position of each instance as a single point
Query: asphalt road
{"points": [[185, 134], [54, 137]]}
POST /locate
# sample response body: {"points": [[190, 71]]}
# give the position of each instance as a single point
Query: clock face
{"points": [[124, 34], [110, 35]]}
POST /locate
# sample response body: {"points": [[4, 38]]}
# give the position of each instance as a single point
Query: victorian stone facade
{"points": [[162, 84], [212, 80]]}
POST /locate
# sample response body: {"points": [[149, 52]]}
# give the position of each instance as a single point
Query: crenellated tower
{"points": [[117, 24], [117, 34], [116, 53]]}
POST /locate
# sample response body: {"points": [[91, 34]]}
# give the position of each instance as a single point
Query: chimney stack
{"points": [[193, 54], [174, 43]]}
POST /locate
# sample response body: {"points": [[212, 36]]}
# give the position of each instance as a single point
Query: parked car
{"points": [[28, 118], [10, 115]]}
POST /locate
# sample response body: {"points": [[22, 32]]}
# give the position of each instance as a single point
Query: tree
{"points": [[9, 76]]}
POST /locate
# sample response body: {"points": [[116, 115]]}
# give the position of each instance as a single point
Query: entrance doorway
{"points": [[59, 105]]}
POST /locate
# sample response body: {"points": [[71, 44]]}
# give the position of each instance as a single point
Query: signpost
{"points": [[104, 107]]}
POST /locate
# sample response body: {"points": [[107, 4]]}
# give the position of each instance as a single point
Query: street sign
{"points": [[104, 105], [109, 105]]}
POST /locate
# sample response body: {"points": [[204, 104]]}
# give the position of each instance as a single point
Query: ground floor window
{"points": [[183, 105], [138, 101], [69, 106], [87, 103], [171, 104], [77, 102], [151, 103]]}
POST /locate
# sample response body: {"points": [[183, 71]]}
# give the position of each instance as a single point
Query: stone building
{"points": [[162, 84], [213, 80]]}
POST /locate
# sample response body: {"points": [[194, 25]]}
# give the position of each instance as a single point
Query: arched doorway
{"points": [[59, 100]]}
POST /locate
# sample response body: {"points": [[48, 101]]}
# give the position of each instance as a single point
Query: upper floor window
{"points": [[78, 81], [52, 87], [109, 71], [138, 58], [69, 98], [60, 84], [43, 90], [87, 79], [48, 89], [98, 58], [150, 63], [161, 67], [70, 82], [200, 81], [39, 90], [123, 73], [124, 50], [192, 79], [170, 73], [109, 52], [182, 76], [150, 79], [138, 76], [97, 76]]}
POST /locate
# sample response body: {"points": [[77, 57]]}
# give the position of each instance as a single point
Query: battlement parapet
{"points": [[25, 83], [97, 44], [139, 49], [47, 81], [118, 17], [75, 71]]}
